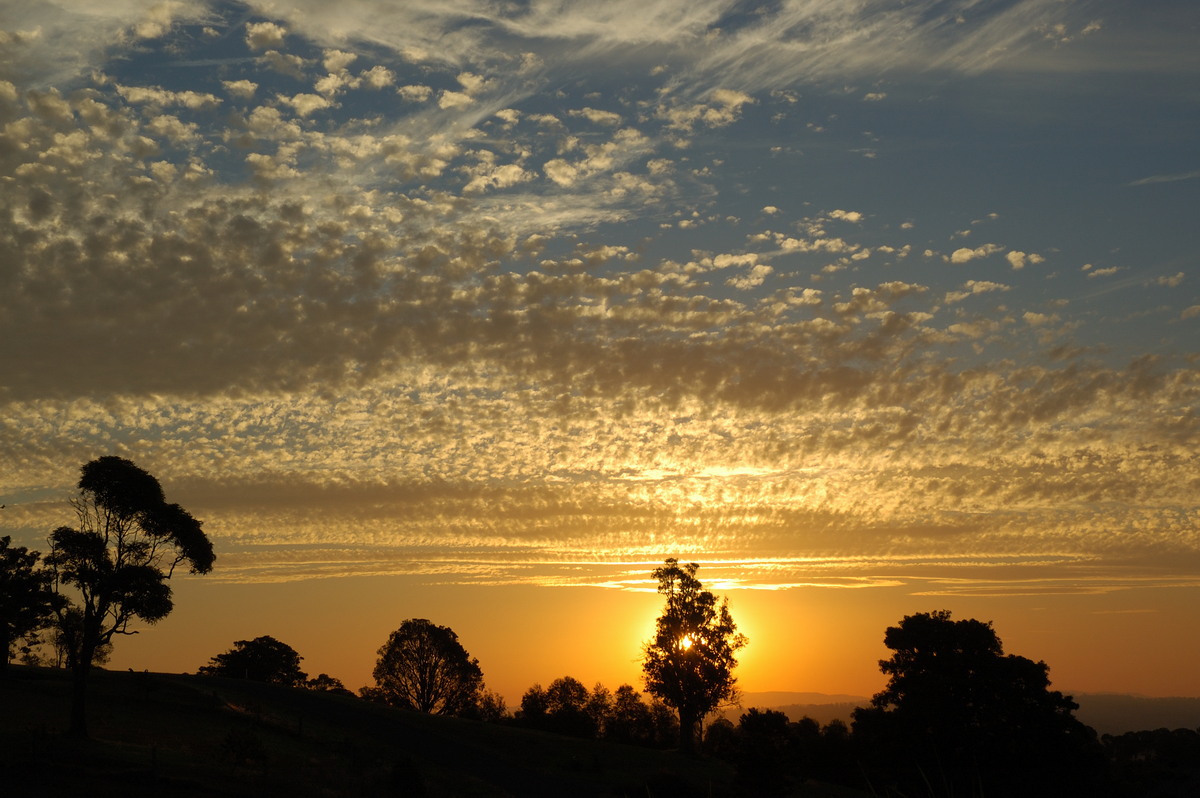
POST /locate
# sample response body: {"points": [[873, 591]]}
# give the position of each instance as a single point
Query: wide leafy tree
{"points": [[957, 710], [27, 598], [263, 659], [690, 662], [422, 666], [117, 562], [564, 708]]}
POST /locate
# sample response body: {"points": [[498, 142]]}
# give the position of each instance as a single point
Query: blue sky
{"points": [[834, 293]]}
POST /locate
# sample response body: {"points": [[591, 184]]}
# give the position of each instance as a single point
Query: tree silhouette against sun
{"points": [[690, 662]]}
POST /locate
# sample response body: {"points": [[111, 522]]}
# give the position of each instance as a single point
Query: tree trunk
{"points": [[4, 644], [688, 723], [79, 700], [79, 672]]}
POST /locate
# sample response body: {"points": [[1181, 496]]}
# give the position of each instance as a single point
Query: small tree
{"points": [[263, 659], [118, 561], [690, 662], [422, 666], [324, 683], [27, 598]]}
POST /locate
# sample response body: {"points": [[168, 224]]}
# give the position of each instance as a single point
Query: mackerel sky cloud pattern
{"points": [[528, 292]]}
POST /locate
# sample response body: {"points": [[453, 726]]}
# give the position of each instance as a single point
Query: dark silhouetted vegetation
{"points": [[263, 659], [960, 716], [567, 707], [422, 666], [118, 561], [27, 599], [324, 683], [689, 663], [160, 735]]}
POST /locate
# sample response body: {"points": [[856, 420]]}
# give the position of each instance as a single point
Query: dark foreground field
{"points": [[169, 735]]}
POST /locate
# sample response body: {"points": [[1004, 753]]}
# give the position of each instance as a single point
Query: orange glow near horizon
{"points": [[801, 640]]}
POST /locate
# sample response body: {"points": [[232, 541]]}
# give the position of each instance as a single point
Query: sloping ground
{"points": [[157, 734]]}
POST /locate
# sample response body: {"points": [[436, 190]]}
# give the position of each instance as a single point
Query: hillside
{"points": [[159, 734]]}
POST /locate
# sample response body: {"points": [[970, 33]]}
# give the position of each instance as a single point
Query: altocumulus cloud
{"points": [[381, 293]]}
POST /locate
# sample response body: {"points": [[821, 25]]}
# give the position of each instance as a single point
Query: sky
{"points": [[477, 311]]}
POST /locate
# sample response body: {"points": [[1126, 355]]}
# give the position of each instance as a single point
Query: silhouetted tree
{"points": [[263, 659], [27, 597], [956, 711], [665, 723], [64, 635], [764, 750], [324, 683], [422, 666], [690, 662], [629, 720], [721, 740], [118, 561], [491, 707], [599, 709], [563, 708], [533, 707]]}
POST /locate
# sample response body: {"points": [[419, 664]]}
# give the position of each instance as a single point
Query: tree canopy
{"points": [[956, 702], [127, 545], [689, 663], [27, 598], [263, 659], [422, 666]]}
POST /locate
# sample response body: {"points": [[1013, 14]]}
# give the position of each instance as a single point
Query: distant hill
{"points": [[821, 707], [1116, 714]]}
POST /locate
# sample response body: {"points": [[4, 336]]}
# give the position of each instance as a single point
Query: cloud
{"points": [[1170, 178], [148, 95], [973, 287], [306, 104], [1018, 260], [264, 35], [242, 89], [373, 335], [597, 116], [967, 254]]}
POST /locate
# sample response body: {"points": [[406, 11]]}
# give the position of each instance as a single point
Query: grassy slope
{"points": [[158, 734]]}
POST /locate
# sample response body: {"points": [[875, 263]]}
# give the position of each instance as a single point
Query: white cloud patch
{"points": [[967, 254], [415, 93], [306, 104], [242, 89], [974, 287], [596, 116], [154, 96], [1019, 260], [264, 35], [454, 99]]}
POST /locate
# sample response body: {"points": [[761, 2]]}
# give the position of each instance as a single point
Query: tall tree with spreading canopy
{"points": [[690, 662], [958, 710], [118, 561], [27, 598], [422, 666]]}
